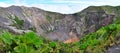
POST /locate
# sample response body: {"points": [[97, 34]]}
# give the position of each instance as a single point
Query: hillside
{"points": [[100, 22], [19, 19]]}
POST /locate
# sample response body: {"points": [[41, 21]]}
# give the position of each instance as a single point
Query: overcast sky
{"points": [[62, 6]]}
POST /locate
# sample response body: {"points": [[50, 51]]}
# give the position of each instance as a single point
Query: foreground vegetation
{"points": [[96, 42]]}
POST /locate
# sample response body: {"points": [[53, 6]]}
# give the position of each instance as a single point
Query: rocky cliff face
{"points": [[56, 26]]}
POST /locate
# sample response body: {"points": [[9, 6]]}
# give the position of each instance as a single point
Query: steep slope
{"points": [[104, 40], [56, 26]]}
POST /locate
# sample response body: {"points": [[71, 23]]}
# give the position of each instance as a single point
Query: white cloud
{"points": [[65, 9], [2, 4], [17, 1], [75, 6], [65, 6], [20, 2]]}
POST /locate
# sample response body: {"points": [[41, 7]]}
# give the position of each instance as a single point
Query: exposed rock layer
{"points": [[56, 26]]}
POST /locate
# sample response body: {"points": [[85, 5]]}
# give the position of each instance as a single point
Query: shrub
{"points": [[96, 42]]}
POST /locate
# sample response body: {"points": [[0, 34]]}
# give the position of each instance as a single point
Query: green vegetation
{"points": [[96, 42], [109, 9], [51, 12], [99, 41], [18, 23], [48, 18], [27, 43], [32, 29]]}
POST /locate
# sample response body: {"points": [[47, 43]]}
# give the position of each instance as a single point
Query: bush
{"points": [[18, 23], [96, 42]]}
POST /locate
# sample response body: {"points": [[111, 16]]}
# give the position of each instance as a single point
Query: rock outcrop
{"points": [[56, 26], [114, 49]]}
